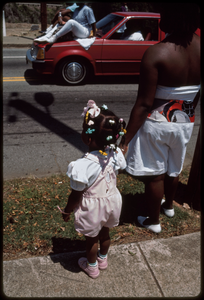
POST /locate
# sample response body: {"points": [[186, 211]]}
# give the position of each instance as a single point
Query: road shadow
{"points": [[15, 105], [34, 78]]}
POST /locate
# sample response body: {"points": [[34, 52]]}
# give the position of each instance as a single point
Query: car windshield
{"points": [[108, 22]]}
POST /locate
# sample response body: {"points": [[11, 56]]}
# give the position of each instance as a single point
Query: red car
{"points": [[115, 51]]}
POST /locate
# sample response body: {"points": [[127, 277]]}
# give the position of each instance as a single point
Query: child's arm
{"points": [[73, 202]]}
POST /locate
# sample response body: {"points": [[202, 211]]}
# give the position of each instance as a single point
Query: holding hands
{"points": [[65, 216]]}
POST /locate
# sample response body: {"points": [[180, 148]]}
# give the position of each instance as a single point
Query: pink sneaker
{"points": [[102, 263], [93, 272]]}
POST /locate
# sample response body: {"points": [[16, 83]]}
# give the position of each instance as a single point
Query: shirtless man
{"points": [[171, 65]]}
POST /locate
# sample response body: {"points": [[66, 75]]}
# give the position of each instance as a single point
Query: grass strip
{"points": [[32, 222]]}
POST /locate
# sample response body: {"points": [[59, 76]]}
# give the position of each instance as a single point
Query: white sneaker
{"points": [[48, 29], [48, 35], [154, 227], [168, 212], [40, 39], [51, 40]]}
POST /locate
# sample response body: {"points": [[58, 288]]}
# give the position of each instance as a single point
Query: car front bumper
{"points": [[41, 66]]}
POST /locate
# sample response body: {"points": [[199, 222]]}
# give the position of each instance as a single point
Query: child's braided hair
{"points": [[105, 128]]}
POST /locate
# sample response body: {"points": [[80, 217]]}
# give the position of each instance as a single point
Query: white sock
{"points": [[101, 255], [92, 264]]}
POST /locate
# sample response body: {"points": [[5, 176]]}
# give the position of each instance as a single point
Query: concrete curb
{"points": [[154, 268]]}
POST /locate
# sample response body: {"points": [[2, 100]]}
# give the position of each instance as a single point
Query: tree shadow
{"points": [[15, 104]]}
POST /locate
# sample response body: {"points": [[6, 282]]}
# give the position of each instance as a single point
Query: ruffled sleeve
{"points": [[77, 175], [82, 173], [119, 160]]}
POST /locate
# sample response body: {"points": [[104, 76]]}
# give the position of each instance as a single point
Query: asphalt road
{"points": [[41, 119]]}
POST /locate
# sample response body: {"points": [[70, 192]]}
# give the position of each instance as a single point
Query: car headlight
{"points": [[41, 54]]}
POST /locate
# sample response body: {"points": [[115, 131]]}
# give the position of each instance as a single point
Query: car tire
{"points": [[73, 71]]}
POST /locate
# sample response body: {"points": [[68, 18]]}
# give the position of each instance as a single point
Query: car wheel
{"points": [[73, 71]]}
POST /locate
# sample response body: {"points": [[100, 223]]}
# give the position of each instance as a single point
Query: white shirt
{"points": [[84, 16], [136, 36], [83, 172]]}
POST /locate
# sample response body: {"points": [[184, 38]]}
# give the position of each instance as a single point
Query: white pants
{"points": [[77, 29]]}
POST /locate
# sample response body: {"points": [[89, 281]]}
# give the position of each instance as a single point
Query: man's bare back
{"points": [[177, 65]]}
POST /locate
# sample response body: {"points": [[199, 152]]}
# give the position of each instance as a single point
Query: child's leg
{"points": [[104, 239], [91, 248], [89, 264]]}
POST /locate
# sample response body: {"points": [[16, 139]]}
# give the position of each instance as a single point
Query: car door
{"points": [[122, 55]]}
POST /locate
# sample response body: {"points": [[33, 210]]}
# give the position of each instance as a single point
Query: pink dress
{"points": [[101, 203]]}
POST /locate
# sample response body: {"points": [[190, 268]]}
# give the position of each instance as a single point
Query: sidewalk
{"points": [[17, 41], [19, 36], [155, 268]]}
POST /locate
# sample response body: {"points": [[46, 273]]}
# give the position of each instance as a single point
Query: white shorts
{"points": [[158, 147]]}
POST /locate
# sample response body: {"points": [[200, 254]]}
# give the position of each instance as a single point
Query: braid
{"points": [[109, 129], [106, 128]]}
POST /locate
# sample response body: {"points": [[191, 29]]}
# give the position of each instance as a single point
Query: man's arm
{"points": [[65, 11], [146, 94], [94, 28]]}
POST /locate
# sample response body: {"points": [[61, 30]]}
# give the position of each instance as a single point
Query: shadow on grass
{"points": [[61, 245], [132, 207], [180, 193], [67, 252]]}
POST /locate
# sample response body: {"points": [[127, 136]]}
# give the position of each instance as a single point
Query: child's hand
{"points": [[65, 215]]}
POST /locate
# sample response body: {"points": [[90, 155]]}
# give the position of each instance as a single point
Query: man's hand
{"points": [[124, 148]]}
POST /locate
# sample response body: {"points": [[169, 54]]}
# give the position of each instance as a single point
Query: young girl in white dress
{"points": [[95, 199]]}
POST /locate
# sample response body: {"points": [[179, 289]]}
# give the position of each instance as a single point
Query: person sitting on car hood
{"points": [[81, 24]]}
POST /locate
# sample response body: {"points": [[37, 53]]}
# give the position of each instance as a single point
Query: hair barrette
{"points": [[90, 131], [90, 122], [111, 122], [121, 120], [93, 109], [121, 133], [86, 117], [109, 138], [103, 153]]}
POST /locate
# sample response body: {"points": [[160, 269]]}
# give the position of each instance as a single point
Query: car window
{"points": [[137, 30], [107, 23]]}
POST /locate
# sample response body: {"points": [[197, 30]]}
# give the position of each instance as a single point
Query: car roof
{"points": [[137, 14]]}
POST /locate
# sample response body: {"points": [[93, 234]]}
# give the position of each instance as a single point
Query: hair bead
{"points": [[90, 131], [109, 138], [104, 106]]}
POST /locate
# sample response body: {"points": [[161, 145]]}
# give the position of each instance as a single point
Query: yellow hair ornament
{"points": [[103, 153], [86, 117]]}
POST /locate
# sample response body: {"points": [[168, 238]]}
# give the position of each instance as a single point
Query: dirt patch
{"points": [[22, 29]]}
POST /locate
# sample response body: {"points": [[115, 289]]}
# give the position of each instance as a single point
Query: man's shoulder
{"points": [[87, 8]]}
